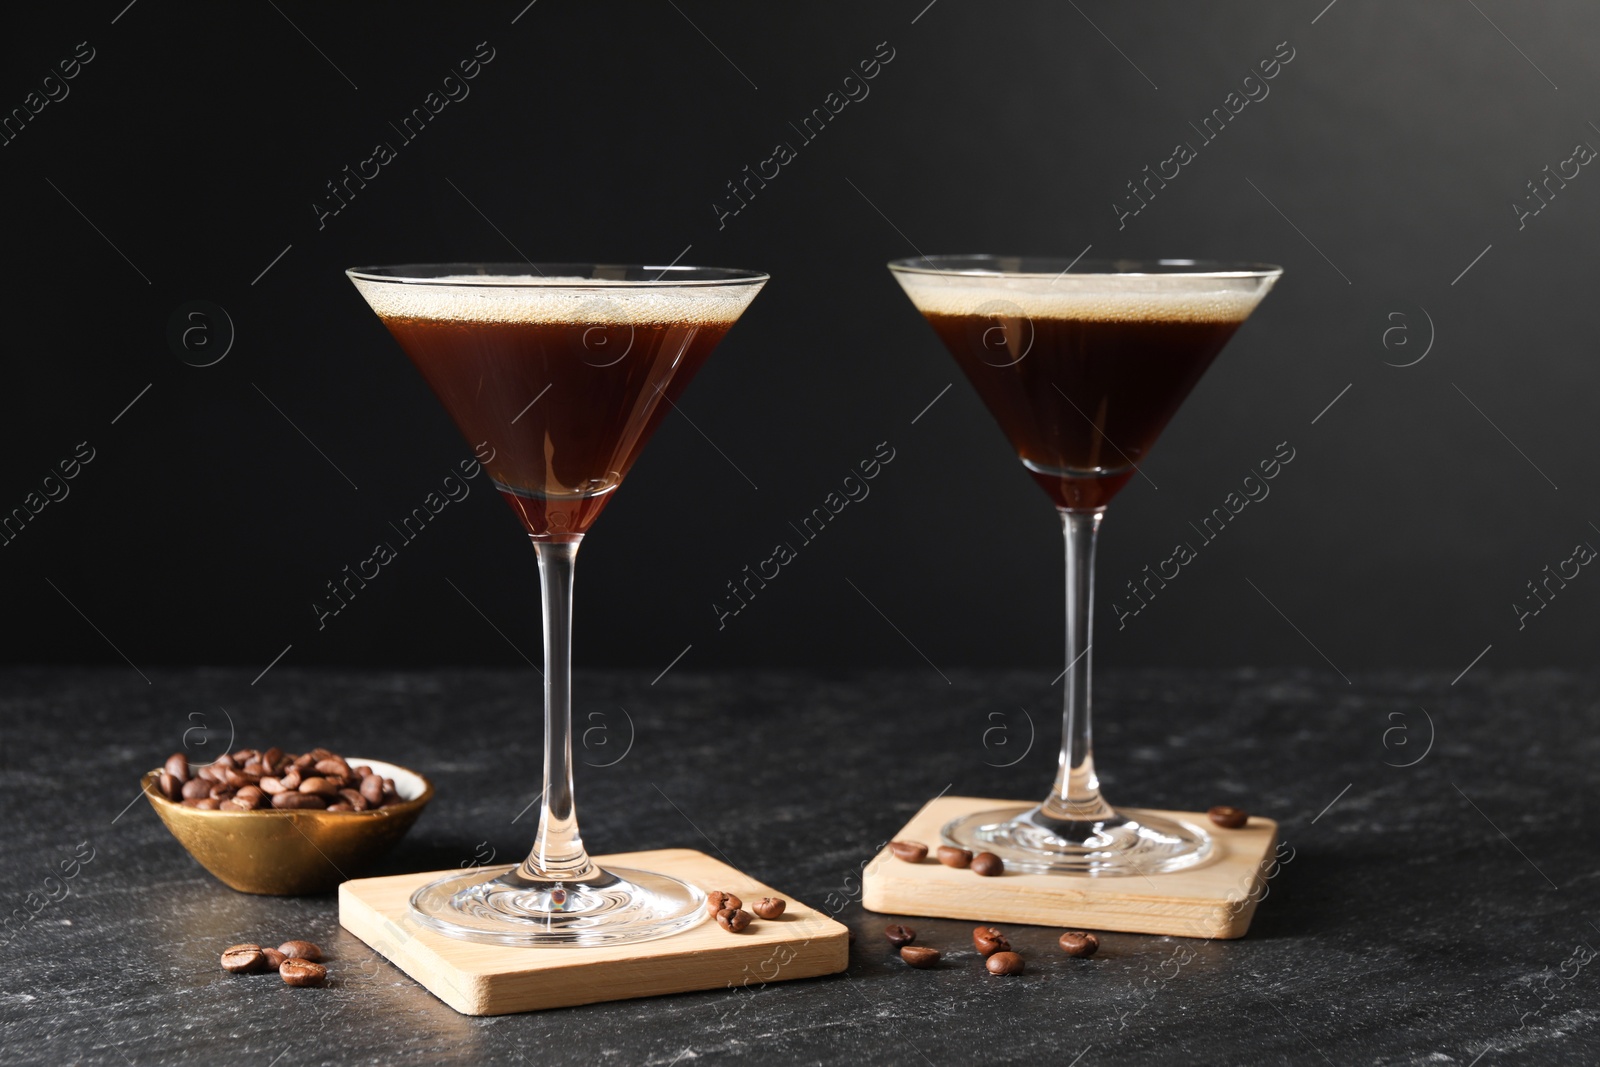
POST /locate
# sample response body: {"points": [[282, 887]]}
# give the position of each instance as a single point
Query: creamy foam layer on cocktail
{"points": [[535, 299], [1085, 297]]}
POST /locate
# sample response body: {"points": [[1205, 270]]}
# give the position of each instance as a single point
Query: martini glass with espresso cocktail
{"points": [[557, 374], [1082, 364]]}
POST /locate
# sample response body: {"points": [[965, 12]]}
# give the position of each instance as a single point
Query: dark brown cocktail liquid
{"points": [[563, 407], [1082, 400]]}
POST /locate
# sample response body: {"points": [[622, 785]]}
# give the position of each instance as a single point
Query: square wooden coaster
{"points": [[1214, 900], [477, 979]]}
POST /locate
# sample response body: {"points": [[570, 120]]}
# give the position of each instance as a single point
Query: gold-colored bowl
{"points": [[289, 853]]}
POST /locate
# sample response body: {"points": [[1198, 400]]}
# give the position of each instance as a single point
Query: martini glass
{"points": [[557, 374], [1082, 364]]}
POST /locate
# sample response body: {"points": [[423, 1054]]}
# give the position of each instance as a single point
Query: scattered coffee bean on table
{"points": [[244, 959], [988, 864], [988, 940], [717, 900], [301, 950], [919, 956], [910, 851], [1004, 963], [1078, 943], [733, 920], [769, 907], [959, 858], [899, 936], [1229, 818], [252, 780], [297, 972], [295, 961]]}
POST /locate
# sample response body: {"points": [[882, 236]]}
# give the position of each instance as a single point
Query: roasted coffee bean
{"points": [[988, 864], [251, 779], [299, 972], [244, 959], [769, 907], [177, 765], [301, 950], [717, 900], [1004, 963], [292, 801], [320, 786], [910, 851], [899, 936], [950, 856], [333, 765], [988, 940], [1227, 817], [919, 956], [274, 958], [1078, 943], [733, 920]]}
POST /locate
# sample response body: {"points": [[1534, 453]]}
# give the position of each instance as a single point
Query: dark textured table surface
{"points": [[1436, 913]]}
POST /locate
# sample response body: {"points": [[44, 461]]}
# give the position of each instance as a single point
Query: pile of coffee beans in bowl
{"points": [[256, 780]]}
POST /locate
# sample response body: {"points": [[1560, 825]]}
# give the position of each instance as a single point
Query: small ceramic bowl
{"points": [[288, 853]]}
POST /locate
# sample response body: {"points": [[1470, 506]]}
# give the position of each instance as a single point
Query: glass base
{"points": [[617, 907], [1129, 842]]}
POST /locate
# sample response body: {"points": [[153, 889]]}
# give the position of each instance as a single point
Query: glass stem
{"points": [[558, 854], [1076, 794]]}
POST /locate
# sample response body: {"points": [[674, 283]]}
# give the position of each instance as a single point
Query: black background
{"points": [[198, 138]]}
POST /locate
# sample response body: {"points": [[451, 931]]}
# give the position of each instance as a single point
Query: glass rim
{"points": [[530, 275], [973, 266]]}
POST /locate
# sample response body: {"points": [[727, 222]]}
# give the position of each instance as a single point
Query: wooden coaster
{"points": [[1214, 900], [477, 979]]}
